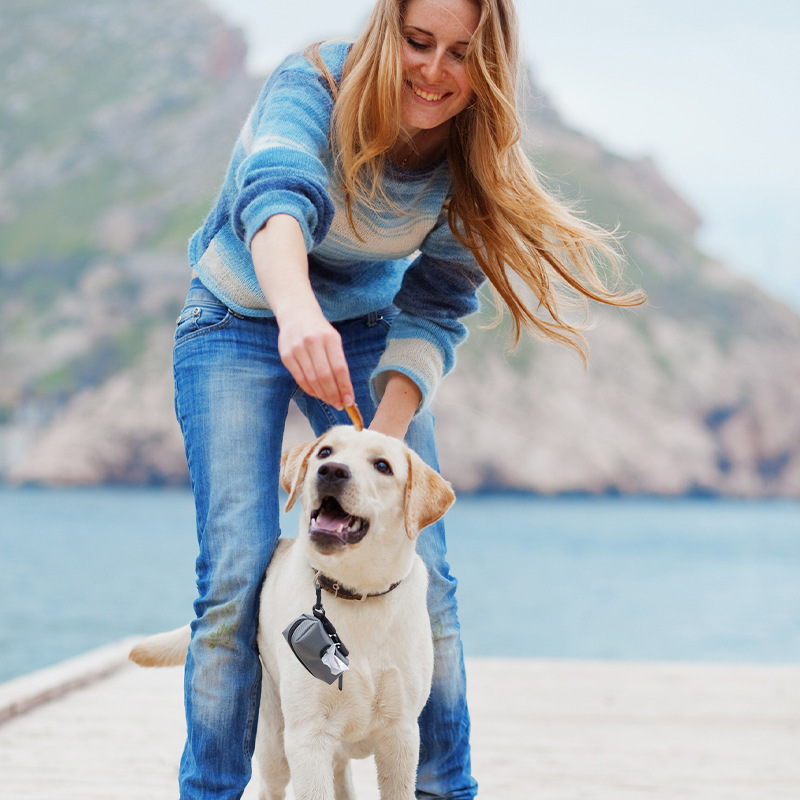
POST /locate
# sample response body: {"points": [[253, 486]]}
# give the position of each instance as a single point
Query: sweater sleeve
{"points": [[438, 289], [281, 167]]}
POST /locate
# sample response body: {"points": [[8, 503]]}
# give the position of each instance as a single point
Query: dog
{"points": [[365, 497]]}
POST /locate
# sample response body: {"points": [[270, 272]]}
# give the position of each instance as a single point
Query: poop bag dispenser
{"points": [[316, 644]]}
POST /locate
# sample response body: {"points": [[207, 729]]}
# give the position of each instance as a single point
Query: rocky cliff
{"points": [[117, 121]]}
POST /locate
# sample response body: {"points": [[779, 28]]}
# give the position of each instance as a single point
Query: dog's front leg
{"points": [[310, 763], [272, 764], [342, 779], [396, 757], [269, 753]]}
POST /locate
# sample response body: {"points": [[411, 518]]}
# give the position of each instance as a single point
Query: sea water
{"points": [[611, 578]]}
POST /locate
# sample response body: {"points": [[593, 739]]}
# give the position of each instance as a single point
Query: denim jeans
{"points": [[231, 397]]}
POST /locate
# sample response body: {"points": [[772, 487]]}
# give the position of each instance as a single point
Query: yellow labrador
{"points": [[365, 497]]}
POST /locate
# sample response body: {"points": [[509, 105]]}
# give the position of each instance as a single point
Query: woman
{"points": [[352, 159]]}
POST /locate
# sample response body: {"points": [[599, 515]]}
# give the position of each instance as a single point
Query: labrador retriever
{"points": [[365, 497]]}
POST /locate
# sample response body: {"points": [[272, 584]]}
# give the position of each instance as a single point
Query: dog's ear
{"points": [[428, 495], [294, 463]]}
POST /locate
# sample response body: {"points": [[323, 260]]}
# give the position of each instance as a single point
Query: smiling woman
{"points": [[372, 190]]}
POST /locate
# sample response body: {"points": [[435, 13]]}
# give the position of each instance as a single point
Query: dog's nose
{"points": [[333, 474]]}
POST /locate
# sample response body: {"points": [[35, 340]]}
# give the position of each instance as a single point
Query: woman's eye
{"points": [[324, 452], [383, 467], [417, 45]]}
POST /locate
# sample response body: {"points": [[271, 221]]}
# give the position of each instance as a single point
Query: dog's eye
{"points": [[324, 452], [383, 467]]}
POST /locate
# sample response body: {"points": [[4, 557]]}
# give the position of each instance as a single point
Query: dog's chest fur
{"points": [[390, 663]]}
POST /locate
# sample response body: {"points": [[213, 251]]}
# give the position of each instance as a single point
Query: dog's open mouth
{"points": [[330, 523]]}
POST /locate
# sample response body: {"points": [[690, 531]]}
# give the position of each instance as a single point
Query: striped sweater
{"points": [[282, 164]]}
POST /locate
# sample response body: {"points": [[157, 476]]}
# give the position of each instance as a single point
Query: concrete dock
{"points": [[98, 728]]}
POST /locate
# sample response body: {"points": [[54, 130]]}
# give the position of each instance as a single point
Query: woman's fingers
{"points": [[311, 349], [339, 377], [325, 370]]}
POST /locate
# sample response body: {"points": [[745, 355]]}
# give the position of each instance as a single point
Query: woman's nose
{"points": [[433, 67]]}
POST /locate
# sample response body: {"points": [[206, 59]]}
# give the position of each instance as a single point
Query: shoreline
{"points": [[490, 491]]}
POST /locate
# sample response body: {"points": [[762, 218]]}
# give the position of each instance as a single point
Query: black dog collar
{"points": [[336, 589]]}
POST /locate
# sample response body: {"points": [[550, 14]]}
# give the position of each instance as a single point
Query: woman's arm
{"points": [[399, 403], [309, 346]]}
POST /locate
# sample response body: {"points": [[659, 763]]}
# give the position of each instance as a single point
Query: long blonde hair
{"points": [[537, 254]]}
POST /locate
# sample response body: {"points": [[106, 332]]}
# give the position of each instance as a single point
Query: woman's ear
{"points": [[294, 463], [428, 495]]}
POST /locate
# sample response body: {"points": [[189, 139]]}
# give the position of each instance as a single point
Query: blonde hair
{"points": [[537, 254]]}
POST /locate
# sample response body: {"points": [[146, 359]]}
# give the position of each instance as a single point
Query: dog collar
{"points": [[337, 590]]}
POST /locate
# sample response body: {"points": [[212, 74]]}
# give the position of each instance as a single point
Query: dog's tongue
{"points": [[333, 521]]}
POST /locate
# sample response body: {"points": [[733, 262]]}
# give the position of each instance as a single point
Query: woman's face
{"points": [[436, 34]]}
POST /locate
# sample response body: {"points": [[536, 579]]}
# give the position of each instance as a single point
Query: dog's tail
{"points": [[163, 649]]}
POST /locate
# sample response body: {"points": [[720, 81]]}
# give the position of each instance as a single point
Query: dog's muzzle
{"points": [[332, 527]]}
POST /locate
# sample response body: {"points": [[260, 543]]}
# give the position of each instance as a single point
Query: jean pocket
{"points": [[200, 317]]}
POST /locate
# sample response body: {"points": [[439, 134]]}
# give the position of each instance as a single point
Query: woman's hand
{"points": [[311, 349], [309, 346]]}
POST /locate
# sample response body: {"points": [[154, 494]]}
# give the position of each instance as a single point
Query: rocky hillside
{"points": [[117, 121], [116, 124]]}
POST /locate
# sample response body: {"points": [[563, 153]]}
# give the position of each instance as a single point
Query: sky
{"points": [[710, 89]]}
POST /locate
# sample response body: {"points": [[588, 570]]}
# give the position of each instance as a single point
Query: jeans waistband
{"points": [[198, 290]]}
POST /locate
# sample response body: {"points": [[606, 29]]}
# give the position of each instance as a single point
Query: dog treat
{"points": [[355, 416]]}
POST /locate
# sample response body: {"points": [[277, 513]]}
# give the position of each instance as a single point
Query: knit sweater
{"points": [[282, 163]]}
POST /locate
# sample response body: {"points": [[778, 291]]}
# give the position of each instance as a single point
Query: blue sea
{"points": [[608, 578]]}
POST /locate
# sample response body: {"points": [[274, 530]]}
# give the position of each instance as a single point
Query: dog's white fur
{"points": [[307, 728]]}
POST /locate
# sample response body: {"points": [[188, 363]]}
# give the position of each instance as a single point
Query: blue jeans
{"points": [[231, 397]]}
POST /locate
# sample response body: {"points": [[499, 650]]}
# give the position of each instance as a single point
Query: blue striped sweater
{"points": [[282, 164]]}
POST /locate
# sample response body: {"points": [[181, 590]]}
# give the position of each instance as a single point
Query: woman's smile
{"points": [[431, 97]]}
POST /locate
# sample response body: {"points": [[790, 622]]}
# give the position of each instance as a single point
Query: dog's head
{"points": [[362, 490]]}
